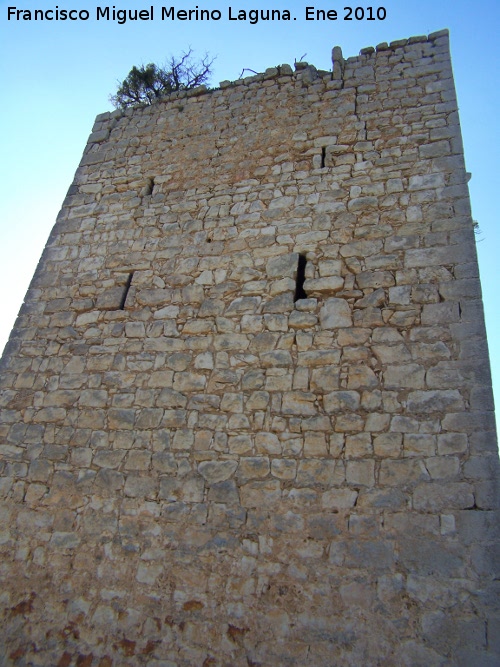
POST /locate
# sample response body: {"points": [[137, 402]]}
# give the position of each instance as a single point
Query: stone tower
{"points": [[246, 415]]}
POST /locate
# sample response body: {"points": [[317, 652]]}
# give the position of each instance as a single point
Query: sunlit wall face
{"points": [[56, 76]]}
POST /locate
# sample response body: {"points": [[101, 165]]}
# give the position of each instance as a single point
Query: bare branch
{"points": [[246, 69], [146, 83]]}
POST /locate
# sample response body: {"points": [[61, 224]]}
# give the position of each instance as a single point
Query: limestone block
{"points": [[137, 486], [240, 444], [99, 136], [260, 494], [188, 382], [253, 467], [49, 415], [375, 299], [361, 248], [276, 359], [40, 470], [419, 444], [440, 467], [329, 267], [251, 324], [280, 304], [375, 279], [253, 379], [34, 492], [315, 445], [320, 358], [336, 313], [94, 398], [196, 327], [404, 376], [152, 297], [267, 443], [376, 422], [258, 400], [110, 299], [316, 423], [149, 418], [224, 492], [387, 445], [264, 342], [243, 304], [238, 342], [173, 419], [437, 313], [65, 540], [217, 471], [169, 398], [362, 376], [339, 499], [434, 401], [434, 149], [339, 401], [190, 489], [444, 375], [299, 320], [283, 266], [232, 402], [391, 354], [276, 287], [160, 379], [469, 422], [349, 422], [183, 439], [323, 286], [299, 403], [147, 574], [135, 330], [402, 472], [285, 469], [487, 495], [358, 445], [313, 471], [325, 380], [481, 467], [379, 553], [109, 481], [443, 496], [360, 472], [121, 418], [276, 322], [138, 460], [452, 443]]}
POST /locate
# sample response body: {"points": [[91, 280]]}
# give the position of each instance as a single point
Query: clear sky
{"points": [[56, 76]]}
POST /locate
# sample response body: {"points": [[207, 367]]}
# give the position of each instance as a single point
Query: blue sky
{"points": [[56, 77]]}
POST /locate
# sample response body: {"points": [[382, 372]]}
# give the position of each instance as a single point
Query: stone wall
{"points": [[246, 414]]}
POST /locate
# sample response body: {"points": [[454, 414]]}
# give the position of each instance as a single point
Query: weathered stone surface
{"points": [[435, 401], [253, 467], [217, 471], [246, 414], [284, 266], [335, 314], [299, 403], [323, 286], [405, 376], [439, 497], [339, 401], [260, 494]]}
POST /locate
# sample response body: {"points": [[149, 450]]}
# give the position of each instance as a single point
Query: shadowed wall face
{"points": [[246, 414]]}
